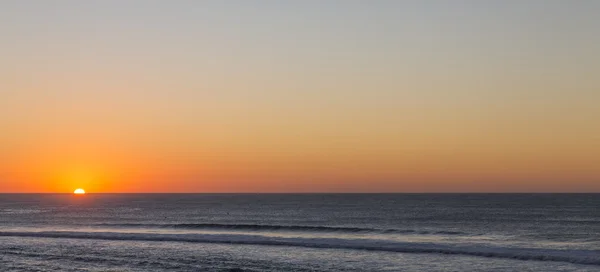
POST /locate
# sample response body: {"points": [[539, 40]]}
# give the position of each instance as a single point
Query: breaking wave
{"points": [[256, 227], [589, 257]]}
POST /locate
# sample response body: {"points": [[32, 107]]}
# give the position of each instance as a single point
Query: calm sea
{"points": [[300, 232]]}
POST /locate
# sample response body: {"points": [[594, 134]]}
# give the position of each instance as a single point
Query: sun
{"points": [[79, 191]]}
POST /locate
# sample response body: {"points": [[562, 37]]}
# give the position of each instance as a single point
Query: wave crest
{"points": [[589, 257], [257, 227]]}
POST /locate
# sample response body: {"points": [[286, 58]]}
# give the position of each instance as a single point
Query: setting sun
{"points": [[79, 191]]}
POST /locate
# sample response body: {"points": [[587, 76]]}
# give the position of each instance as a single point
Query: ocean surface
{"points": [[300, 232]]}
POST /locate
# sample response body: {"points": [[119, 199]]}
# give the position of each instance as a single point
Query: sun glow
{"points": [[79, 191]]}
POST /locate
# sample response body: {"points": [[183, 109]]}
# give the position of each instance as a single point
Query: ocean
{"points": [[300, 232]]}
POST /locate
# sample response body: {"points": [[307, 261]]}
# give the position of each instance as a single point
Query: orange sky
{"points": [[387, 97]]}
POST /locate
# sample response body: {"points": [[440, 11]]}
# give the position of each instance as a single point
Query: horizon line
{"points": [[289, 193]]}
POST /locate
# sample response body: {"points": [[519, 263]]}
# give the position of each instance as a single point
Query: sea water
{"points": [[300, 232]]}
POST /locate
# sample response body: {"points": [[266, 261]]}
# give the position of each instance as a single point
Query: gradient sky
{"points": [[300, 96]]}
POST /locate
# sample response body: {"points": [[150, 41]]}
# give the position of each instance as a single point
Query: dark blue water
{"points": [[303, 232]]}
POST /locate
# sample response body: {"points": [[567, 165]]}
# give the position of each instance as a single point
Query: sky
{"points": [[300, 96]]}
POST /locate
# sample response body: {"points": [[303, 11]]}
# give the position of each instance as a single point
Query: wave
{"points": [[257, 227], [588, 257]]}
